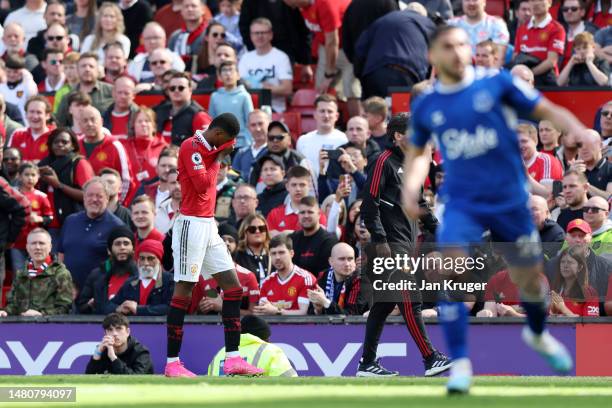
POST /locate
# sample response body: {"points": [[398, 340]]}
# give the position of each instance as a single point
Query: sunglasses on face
{"points": [[276, 138], [179, 88], [606, 113], [215, 35], [56, 62], [158, 62], [55, 38], [572, 9], [595, 210], [253, 229]]}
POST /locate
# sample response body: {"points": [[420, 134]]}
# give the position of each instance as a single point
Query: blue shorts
{"points": [[512, 232]]}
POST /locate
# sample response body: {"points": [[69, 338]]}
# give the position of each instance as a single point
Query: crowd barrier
{"points": [[583, 102], [317, 346]]}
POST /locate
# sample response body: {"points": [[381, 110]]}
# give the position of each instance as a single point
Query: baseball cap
{"points": [[579, 224], [273, 158], [278, 123]]}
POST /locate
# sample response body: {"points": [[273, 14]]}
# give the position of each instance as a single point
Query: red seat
{"points": [[304, 98], [308, 124], [497, 7]]}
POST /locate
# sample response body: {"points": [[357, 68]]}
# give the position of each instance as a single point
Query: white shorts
{"points": [[198, 249]]}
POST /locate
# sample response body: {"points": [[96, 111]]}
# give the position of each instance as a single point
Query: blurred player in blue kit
{"points": [[472, 114]]}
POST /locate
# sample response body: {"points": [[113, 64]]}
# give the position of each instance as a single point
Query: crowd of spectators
{"points": [[89, 185]]}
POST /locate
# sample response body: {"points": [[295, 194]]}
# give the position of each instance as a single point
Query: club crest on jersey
{"points": [[483, 102], [196, 158], [194, 269], [437, 118], [292, 291], [101, 156]]}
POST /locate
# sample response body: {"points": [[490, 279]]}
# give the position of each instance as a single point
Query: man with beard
{"points": [[104, 282], [149, 293]]}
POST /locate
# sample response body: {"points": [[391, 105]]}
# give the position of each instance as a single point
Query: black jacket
{"points": [[107, 119], [182, 121], [354, 301], [135, 360], [12, 213], [290, 158], [552, 237], [96, 287], [159, 298], [381, 208], [271, 198]]}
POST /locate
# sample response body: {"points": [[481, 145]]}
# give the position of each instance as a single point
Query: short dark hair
{"points": [[399, 124], [282, 239], [58, 131], [227, 122], [90, 54], [115, 320], [354, 146], [226, 64], [27, 165], [581, 4], [439, 32], [169, 151], [309, 201], [297, 172], [50, 51], [326, 98], [79, 97], [256, 326]]}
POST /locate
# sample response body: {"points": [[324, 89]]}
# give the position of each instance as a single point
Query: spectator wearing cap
{"points": [[104, 282], [149, 293], [255, 347], [257, 124], [272, 176], [119, 352], [82, 242], [279, 144], [44, 286], [551, 234], [579, 235], [226, 187], [574, 196], [19, 86], [596, 168], [596, 211]]}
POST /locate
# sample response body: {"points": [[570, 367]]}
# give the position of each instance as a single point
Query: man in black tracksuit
{"points": [[393, 233]]}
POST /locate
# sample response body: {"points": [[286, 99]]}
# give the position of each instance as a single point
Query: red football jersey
{"points": [[39, 204], [200, 121], [32, 149], [111, 153], [282, 218], [538, 40], [545, 167], [590, 306], [501, 289], [289, 293], [120, 124], [197, 174], [248, 282], [324, 16]]}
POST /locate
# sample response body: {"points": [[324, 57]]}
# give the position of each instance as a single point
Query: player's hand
{"points": [[3, 313], [48, 175], [410, 204], [31, 313]]}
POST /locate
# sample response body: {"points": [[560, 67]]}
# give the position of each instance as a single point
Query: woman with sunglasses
{"points": [[253, 241], [110, 27], [571, 294], [215, 35], [62, 175], [143, 145]]}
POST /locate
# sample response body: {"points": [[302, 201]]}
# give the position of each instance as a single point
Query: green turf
{"points": [[315, 392]]}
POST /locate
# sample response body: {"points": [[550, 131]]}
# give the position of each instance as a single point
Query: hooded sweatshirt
{"points": [[238, 102]]}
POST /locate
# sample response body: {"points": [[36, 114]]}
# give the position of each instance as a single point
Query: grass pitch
{"points": [[315, 392]]}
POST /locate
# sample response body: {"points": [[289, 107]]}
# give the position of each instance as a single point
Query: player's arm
{"points": [[416, 169], [200, 176], [560, 116], [370, 206]]}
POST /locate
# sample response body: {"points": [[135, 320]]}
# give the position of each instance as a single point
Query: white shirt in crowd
{"points": [[20, 93], [272, 67], [312, 142], [32, 21], [88, 43]]}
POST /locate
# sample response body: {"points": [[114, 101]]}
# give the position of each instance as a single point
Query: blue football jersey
{"points": [[473, 124]]}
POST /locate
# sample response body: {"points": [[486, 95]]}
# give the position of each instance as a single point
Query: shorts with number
{"points": [[512, 232], [198, 249]]}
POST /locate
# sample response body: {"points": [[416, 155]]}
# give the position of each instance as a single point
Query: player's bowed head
{"points": [[222, 133]]}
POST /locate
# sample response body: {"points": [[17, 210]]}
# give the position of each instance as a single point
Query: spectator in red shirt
{"points": [[540, 43], [179, 118], [120, 114], [600, 13], [324, 19], [542, 168], [549, 137], [284, 218], [149, 293], [502, 297], [571, 293], [104, 151], [63, 173], [32, 141], [285, 292], [144, 146], [53, 66], [41, 212], [143, 217]]}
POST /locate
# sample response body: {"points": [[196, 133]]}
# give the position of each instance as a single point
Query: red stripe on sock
{"points": [[181, 302], [232, 294]]}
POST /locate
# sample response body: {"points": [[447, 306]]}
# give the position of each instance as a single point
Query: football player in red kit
{"points": [[198, 248]]}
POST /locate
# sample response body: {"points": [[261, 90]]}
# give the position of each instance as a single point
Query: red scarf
{"points": [[195, 33], [33, 271]]}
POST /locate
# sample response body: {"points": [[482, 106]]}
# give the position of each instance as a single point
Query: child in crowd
{"points": [[229, 17]]}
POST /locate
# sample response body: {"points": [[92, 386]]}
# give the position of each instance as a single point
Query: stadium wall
{"points": [[52, 347]]}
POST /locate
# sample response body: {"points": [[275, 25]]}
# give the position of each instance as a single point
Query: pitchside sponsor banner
{"points": [[314, 350]]}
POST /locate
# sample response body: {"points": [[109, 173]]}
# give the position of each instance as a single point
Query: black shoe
{"points": [[374, 369], [436, 363]]}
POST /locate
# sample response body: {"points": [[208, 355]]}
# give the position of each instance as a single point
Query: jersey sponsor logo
{"points": [[196, 158], [593, 310], [461, 143], [483, 102]]}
